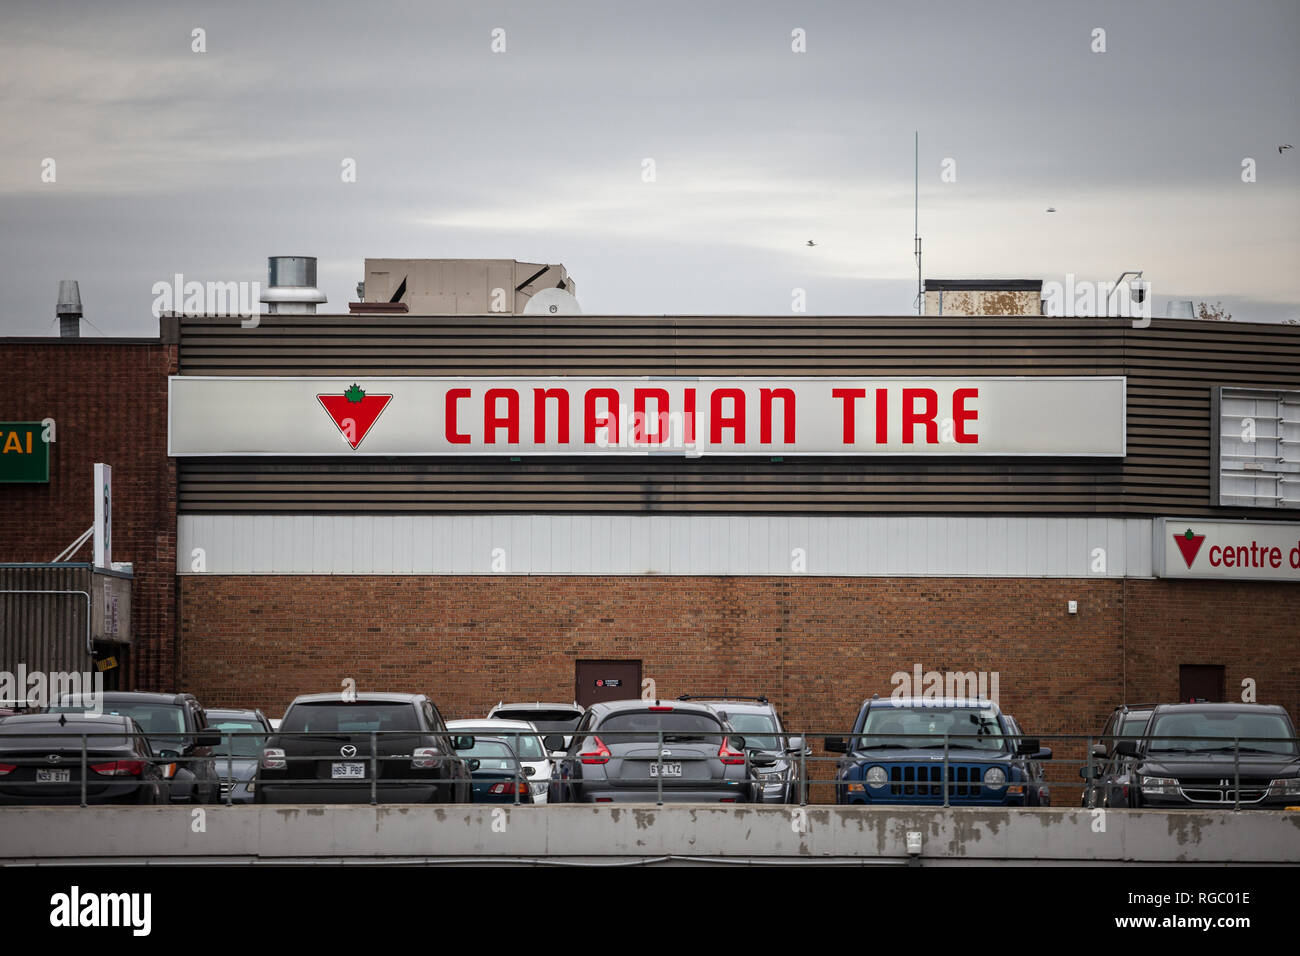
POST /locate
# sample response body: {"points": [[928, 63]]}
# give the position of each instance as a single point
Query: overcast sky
{"points": [[170, 161]]}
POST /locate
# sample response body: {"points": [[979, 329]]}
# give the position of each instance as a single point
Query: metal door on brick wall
{"points": [[596, 681], [1200, 682]]}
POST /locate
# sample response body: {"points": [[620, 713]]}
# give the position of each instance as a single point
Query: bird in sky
{"points": [[811, 243], [1051, 209], [1287, 146]]}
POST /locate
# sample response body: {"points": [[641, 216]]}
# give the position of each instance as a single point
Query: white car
{"points": [[548, 718], [526, 741]]}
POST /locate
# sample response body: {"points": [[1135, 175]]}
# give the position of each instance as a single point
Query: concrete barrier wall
{"points": [[823, 834]]}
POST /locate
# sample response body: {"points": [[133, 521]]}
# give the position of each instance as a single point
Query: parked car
{"points": [[757, 720], [178, 733], [243, 735], [1216, 755], [896, 754], [615, 756], [552, 720], [1112, 772], [1038, 792], [498, 774], [322, 752], [41, 760], [527, 745]]}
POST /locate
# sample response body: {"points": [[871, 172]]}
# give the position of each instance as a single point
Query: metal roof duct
{"points": [[68, 309], [291, 285]]}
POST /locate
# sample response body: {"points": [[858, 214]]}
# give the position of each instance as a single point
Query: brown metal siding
{"points": [[1171, 367], [46, 632]]}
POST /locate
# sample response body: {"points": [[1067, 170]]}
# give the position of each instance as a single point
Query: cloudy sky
{"points": [[171, 161]]}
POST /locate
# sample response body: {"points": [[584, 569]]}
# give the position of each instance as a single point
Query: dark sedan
{"points": [[498, 775], [638, 751], [41, 761]]}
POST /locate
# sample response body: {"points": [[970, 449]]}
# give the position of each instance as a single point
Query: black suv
{"points": [[178, 733], [1216, 755], [633, 751], [322, 752], [758, 721], [1112, 772]]}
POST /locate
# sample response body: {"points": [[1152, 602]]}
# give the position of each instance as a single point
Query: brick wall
{"points": [[818, 646], [109, 404]]}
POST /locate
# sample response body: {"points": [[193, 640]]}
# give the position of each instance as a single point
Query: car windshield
{"points": [[156, 720], [528, 745], [915, 727], [547, 721], [1134, 726], [349, 717], [644, 726], [1215, 730], [246, 740], [492, 755], [754, 727]]}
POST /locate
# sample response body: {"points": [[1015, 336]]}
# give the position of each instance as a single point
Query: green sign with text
{"points": [[24, 454]]}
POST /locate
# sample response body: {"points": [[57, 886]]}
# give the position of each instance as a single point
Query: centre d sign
{"points": [[1038, 416], [1227, 550]]}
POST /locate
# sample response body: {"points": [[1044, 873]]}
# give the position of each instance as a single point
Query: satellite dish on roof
{"points": [[552, 302]]}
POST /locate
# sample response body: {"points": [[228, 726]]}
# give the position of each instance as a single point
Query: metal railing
{"points": [[648, 768]]}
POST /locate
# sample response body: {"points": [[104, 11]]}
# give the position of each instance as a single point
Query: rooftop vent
{"points": [[69, 309], [291, 286]]}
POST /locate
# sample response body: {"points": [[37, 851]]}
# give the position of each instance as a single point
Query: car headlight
{"points": [[995, 778], [1159, 786], [877, 777], [1284, 788]]}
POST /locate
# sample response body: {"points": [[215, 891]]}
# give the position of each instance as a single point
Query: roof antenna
{"points": [[63, 720], [916, 214]]}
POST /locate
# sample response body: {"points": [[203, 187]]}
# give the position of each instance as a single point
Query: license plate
{"points": [[665, 770], [348, 771], [53, 776]]}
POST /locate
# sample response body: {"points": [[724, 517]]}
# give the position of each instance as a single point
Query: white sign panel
{"points": [[103, 516], [1081, 417], [1228, 550]]}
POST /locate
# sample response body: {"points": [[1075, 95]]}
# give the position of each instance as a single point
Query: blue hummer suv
{"points": [[896, 755]]}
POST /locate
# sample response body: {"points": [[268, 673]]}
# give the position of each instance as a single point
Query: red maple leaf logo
{"points": [[354, 412], [1189, 545]]}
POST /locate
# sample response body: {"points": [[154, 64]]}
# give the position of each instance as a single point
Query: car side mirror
{"points": [[1099, 752], [794, 745], [762, 760], [462, 742], [1044, 754], [474, 764], [529, 771], [837, 745], [736, 743], [1027, 746], [1096, 773], [207, 738], [1127, 748], [553, 742]]}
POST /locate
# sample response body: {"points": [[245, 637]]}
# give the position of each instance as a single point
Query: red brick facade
{"points": [[109, 403], [816, 645]]}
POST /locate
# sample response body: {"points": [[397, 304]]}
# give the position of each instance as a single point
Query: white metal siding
{"points": [[887, 546]]}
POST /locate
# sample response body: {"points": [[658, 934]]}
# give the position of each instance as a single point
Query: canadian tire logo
{"points": [[1189, 545], [354, 412]]}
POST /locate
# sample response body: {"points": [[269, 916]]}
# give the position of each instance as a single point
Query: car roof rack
{"points": [[760, 699]]}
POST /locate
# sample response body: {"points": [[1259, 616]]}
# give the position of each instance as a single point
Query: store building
{"points": [[549, 507]]}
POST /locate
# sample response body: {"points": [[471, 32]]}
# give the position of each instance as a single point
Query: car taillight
{"points": [[660, 709], [600, 755], [7, 768], [119, 768], [273, 759], [729, 756], [506, 788], [424, 758]]}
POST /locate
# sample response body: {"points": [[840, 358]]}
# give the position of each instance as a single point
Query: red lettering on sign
{"points": [[608, 421], [882, 416], [961, 415], [453, 396], [850, 396], [735, 421], [688, 417], [1275, 557], [492, 421], [540, 398], [766, 397], [911, 418], [1214, 557], [640, 433]]}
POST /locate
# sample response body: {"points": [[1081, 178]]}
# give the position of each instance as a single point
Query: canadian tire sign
{"points": [[1227, 550], [358, 415]]}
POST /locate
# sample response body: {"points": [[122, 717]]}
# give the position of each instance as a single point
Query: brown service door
{"points": [[597, 681], [1200, 681]]}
